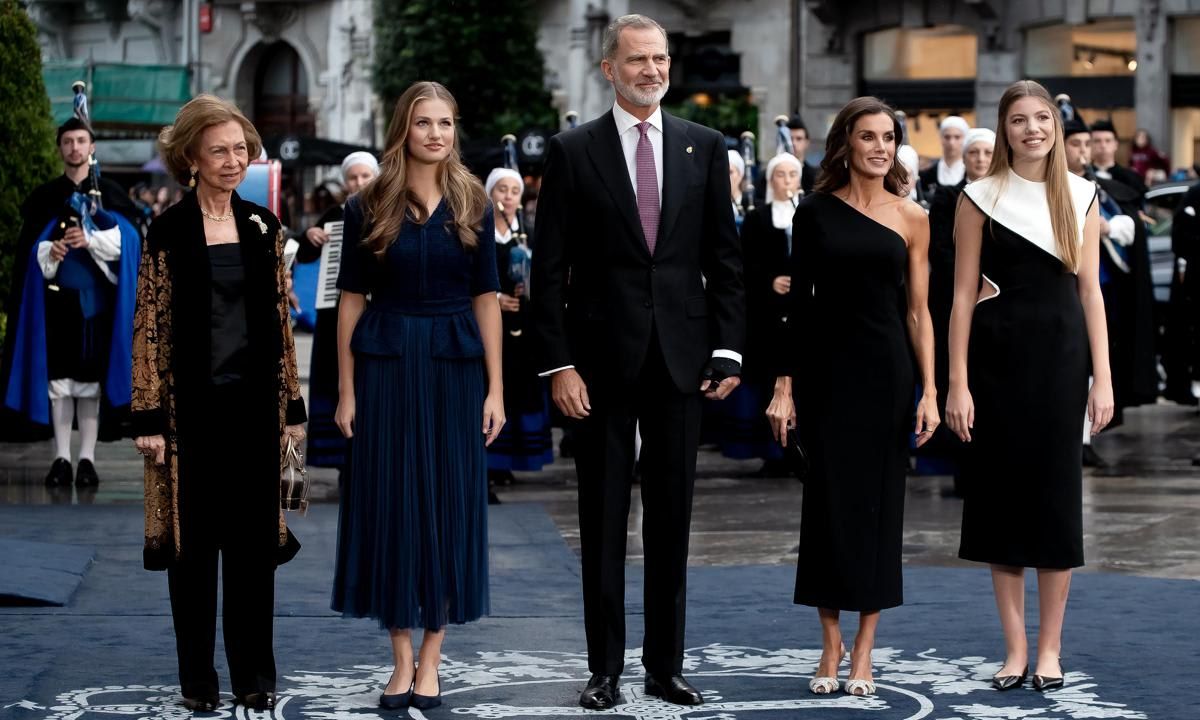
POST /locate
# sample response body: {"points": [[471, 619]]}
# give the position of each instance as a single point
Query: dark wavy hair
{"points": [[835, 170]]}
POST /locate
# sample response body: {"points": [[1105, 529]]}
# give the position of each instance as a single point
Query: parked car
{"points": [[1162, 201]]}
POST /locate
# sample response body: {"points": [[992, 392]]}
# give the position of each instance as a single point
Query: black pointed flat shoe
{"points": [[1042, 683], [1010, 682]]}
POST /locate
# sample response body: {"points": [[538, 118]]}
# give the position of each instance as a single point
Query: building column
{"points": [[995, 70], [1152, 83]]}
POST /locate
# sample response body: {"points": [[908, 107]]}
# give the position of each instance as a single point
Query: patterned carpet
{"points": [[1130, 645]]}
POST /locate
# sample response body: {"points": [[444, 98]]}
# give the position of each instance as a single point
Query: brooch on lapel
{"points": [[262, 226], [689, 149]]}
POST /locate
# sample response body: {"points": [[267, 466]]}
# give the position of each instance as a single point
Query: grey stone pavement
{"points": [[1141, 515]]}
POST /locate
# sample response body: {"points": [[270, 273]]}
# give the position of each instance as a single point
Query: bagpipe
{"points": [[104, 288], [519, 257], [1117, 241]]}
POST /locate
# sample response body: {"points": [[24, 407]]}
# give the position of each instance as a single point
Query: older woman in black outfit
{"points": [[858, 315], [215, 393]]}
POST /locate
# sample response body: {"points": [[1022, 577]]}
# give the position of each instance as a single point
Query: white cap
{"points": [[954, 121], [497, 174], [975, 135], [783, 157], [361, 157], [737, 161]]}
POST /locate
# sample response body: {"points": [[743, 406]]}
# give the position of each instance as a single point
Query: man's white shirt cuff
{"points": [[728, 355]]}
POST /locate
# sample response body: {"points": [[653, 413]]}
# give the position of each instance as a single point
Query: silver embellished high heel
{"points": [[826, 685]]}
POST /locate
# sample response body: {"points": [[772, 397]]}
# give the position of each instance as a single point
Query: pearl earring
{"points": [[192, 180]]}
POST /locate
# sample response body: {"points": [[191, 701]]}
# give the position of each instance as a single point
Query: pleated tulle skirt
{"points": [[412, 531]]}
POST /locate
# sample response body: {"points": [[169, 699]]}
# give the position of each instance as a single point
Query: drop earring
{"points": [[192, 180], [845, 163]]}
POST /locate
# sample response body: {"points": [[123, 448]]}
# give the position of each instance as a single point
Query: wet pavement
{"points": [[1141, 514]]}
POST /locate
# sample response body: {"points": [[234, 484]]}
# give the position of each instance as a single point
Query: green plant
{"points": [[730, 115], [484, 51], [26, 130]]}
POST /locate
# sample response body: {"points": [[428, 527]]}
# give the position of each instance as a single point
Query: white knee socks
{"points": [[62, 412], [87, 411]]}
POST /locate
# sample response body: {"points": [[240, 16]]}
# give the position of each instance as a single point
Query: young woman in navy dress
{"points": [[1026, 327], [420, 393]]}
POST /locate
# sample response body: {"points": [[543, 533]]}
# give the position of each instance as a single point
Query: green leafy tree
{"points": [[26, 131], [483, 51]]}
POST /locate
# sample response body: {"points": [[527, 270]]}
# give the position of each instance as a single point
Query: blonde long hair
{"points": [[387, 200], [1058, 190]]}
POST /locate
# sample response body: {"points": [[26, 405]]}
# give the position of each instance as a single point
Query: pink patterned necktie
{"points": [[647, 187]]}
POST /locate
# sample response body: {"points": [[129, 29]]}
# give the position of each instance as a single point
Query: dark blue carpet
{"points": [[1131, 648], [39, 573]]}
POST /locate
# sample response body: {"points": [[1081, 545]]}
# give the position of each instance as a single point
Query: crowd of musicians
{"points": [[661, 290]]}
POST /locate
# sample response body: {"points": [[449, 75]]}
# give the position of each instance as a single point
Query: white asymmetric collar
{"points": [[1020, 205]]}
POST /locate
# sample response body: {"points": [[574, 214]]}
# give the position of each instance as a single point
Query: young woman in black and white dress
{"points": [[1027, 322]]}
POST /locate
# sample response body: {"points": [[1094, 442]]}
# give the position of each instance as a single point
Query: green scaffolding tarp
{"points": [[119, 95]]}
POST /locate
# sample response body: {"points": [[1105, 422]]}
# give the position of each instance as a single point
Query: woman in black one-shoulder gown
{"points": [[858, 312]]}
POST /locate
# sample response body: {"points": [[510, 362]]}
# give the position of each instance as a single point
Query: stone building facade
{"points": [[1136, 61], [301, 68]]}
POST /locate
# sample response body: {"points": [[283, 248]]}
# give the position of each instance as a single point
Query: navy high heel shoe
{"points": [[427, 702], [397, 701]]}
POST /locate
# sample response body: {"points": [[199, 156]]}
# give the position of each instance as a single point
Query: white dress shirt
{"points": [[104, 246], [630, 135]]}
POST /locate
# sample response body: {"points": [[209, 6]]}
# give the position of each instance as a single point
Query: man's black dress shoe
{"points": [[60, 473], [600, 693], [1010, 682], [201, 705], [674, 690], [86, 475], [258, 700]]}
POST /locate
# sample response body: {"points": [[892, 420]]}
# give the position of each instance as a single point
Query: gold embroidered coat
{"points": [[174, 250]]}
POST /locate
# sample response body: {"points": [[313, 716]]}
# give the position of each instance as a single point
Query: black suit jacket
{"points": [[597, 292]]}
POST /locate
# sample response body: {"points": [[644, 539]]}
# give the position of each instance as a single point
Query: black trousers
{"points": [[228, 512], [670, 428]]}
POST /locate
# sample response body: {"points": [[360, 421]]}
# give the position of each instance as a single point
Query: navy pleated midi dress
{"points": [[412, 530]]}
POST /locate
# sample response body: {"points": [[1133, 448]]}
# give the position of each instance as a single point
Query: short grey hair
{"points": [[612, 33]]}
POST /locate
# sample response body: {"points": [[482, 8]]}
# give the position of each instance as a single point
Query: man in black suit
{"points": [[640, 307]]}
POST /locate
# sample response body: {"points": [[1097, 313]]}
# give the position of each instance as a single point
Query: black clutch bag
{"points": [[795, 456]]}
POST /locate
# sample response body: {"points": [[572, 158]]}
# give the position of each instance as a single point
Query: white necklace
{"points": [[217, 218]]}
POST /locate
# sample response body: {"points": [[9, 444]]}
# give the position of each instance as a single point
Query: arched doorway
{"points": [[281, 93]]}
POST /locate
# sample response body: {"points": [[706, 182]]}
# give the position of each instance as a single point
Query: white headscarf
{"points": [[975, 135], [737, 161], [774, 163], [360, 157], [954, 121], [498, 174]]}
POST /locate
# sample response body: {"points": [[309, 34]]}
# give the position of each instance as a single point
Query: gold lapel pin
{"points": [[689, 149]]}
